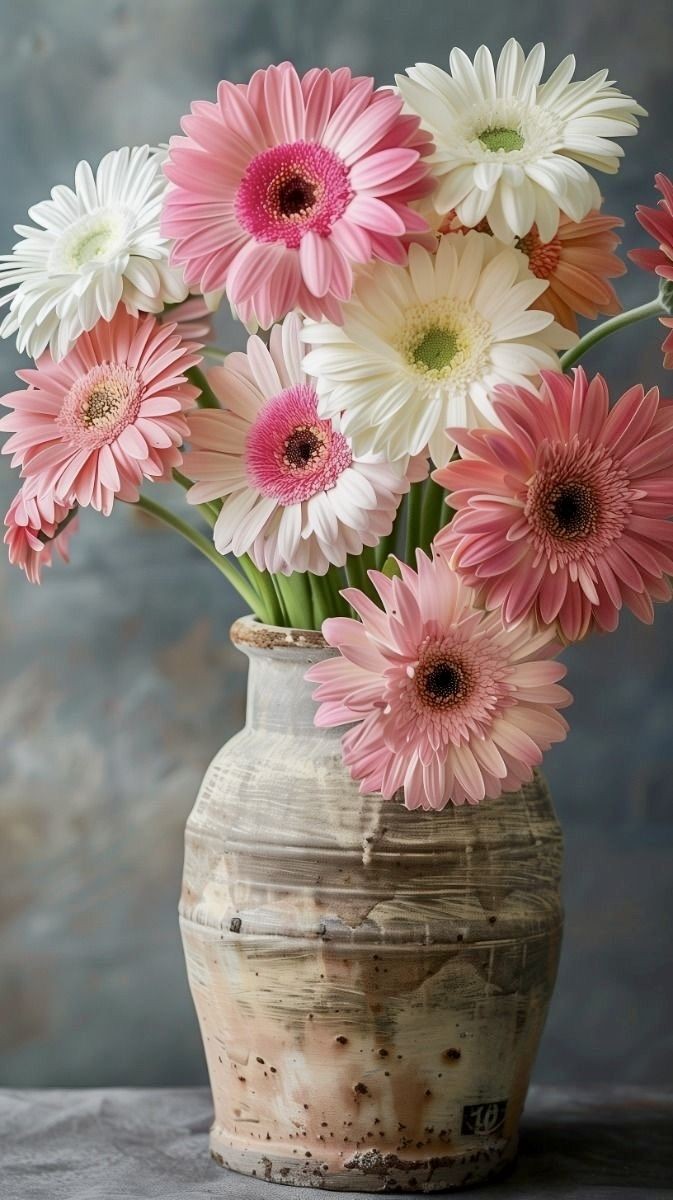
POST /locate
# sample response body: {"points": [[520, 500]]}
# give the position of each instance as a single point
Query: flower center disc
{"points": [[290, 189], [291, 454], [501, 138], [441, 681], [100, 405], [572, 511], [436, 349], [542, 256]]}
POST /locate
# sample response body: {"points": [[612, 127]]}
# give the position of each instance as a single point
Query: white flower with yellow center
{"points": [[512, 149], [93, 246], [423, 346]]}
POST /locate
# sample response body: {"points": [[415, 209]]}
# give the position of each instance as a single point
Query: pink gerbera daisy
{"points": [[295, 496], [34, 529], [109, 414], [566, 513], [284, 183], [447, 703]]}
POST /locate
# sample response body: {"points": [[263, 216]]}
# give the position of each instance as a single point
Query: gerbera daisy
{"points": [[33, 533], [95, 245], [296, 497], [284, 183], [193, 319], [92, 426], [577, 264], [512, 149], [566, 514], [423, 346], [447, 703], [658, 222]]}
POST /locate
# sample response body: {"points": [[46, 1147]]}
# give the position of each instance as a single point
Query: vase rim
{"points": [[250, 634]]}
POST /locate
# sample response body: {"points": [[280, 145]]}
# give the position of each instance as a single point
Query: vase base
{"points": [[368, 1169]]}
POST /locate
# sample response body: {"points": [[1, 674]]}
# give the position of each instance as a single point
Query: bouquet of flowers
{"points": [[402, 455]]}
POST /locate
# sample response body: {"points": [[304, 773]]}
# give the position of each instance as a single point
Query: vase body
{"points": [[371, 983]]}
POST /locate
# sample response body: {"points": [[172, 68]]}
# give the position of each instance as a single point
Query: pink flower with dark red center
{"points": [[107, 416], [565, 514], [295, 497], [446, 703], [35, 528], [284, 184]]}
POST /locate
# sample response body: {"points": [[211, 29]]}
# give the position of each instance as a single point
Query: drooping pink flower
{"points": [[658, 222], [565, 514], [295, 496], [445, 702], [109, 414], [32, 533], [193, 319], [283, 184]]}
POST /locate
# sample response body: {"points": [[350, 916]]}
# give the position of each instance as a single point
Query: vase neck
{"points": [[279, 697]]}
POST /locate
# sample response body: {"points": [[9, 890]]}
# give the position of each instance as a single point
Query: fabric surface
{"points": [[138, 1144]]}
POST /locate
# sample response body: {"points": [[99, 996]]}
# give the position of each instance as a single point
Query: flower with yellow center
{"points": [[423, 346]]}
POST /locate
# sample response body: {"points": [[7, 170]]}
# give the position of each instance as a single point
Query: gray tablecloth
{"points": [[604, 1144]]}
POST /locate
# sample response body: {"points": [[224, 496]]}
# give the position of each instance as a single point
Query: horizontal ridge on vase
{"points": [[371, 983]]}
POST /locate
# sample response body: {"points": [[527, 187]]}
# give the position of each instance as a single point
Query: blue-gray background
{"points": [[117, 679]]}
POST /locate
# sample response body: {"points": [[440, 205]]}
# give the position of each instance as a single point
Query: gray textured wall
{"points": [[117, 679]]}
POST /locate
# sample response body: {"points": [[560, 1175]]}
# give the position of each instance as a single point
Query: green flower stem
{"points": [[654, 308], [207, 398], [327, 601], [263, 583], [214, 351], [210, 511], [235, 577], [295, 592], [434, 514], [414, 508]]}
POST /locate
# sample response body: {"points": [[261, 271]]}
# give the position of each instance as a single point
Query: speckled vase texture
{"points": [[371, 983]]}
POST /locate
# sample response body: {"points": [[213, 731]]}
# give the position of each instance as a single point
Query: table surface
{"points": [[138, 1144]]}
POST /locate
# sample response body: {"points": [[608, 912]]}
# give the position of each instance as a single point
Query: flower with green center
{"points": [[501, 139], [513, 149], [94, 246], [423, 346]]}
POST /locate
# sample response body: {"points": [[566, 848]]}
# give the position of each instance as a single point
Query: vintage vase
{"points": [[371, 983]]}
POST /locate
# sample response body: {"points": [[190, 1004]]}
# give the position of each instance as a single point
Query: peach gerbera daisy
{"points": [[109, 414], [578, 263], [285, 183], [446, 703], [565, 515]]}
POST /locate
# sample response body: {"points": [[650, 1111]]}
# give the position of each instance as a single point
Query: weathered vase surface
{"points": [[371, 983]]}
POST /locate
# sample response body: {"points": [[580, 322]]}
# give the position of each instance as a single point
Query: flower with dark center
{"points": [[566, 512]]}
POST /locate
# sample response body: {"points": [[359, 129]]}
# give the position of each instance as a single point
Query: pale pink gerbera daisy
{"points": [[109, 414], [284, 183], [296, 498], [447, 703], [34, 528], [193, 319], [565, 514]]}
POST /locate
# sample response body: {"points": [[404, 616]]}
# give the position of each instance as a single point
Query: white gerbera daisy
{"points": [[422, 347], [95, 245], [295, 496], [511, 149]]}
